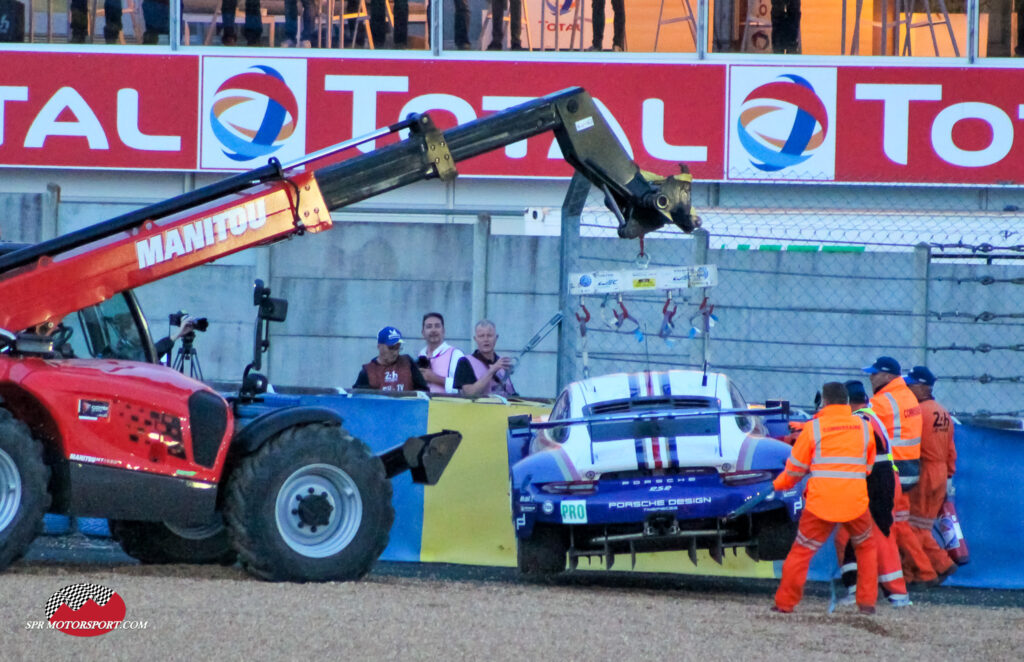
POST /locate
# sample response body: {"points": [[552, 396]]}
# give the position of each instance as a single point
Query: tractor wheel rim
{"points": [[318, 510], [10, 490]]}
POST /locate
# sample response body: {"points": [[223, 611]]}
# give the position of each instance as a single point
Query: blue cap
{"points": [[920, 375], [856, 390], [885, 364], [389, 336]]}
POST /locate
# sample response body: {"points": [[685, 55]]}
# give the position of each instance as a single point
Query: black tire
{"points": [[156, 542], [543, 553], [23, 488], [774, 534], [312, 504]]}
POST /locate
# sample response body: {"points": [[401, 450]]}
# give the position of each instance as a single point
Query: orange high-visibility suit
{"points": [[938, 463], [890, 569], [898, 409], [837, 449]]}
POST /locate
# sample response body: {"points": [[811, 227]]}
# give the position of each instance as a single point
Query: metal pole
{"points": [[569, 261], [922, 264], [174, 31], [481, 239]]}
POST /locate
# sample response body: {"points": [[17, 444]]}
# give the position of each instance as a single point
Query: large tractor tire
{"points": [[23, 495], [157, 542], [543, 553], [312, 504]]}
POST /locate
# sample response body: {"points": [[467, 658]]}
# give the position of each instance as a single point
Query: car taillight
{"points": [[570, 487], [746, 477]]}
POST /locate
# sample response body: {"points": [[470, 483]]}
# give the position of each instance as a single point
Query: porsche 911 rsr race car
{"points": [[648, 461]]}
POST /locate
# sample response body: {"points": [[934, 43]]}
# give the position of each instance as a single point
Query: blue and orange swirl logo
{"points": [[244, 140], [561, 7], [773, 150]]}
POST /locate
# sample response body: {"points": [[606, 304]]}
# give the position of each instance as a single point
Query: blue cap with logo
{"points": [[389, 336], [920, 374], [885, 364]]}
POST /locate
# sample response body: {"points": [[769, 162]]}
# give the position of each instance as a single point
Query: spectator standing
{"points": [[157, 15], [515, 25], [438, 360], [80, 21], [484, 372], [882, 489], [938, 464], [461, 24], [898, 409], [837, 451], [310, 14], [379, 23], [253, 29], [618, 24], [390, 370], [786, 26]]}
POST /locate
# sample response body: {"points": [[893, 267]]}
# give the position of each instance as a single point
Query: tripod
{"points": [[187, 354]]}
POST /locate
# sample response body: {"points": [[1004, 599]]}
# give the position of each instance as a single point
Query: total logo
{"points": [[780, 123], [561, 7], [252, 110]]}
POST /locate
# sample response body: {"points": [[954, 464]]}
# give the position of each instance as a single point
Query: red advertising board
{"points": [[667, 113], [101, 110], [879, 124]]}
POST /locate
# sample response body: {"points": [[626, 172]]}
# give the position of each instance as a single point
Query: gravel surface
{"points": [[405, 611]]}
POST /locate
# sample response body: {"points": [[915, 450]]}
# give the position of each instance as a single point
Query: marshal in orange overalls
{"points": [[938, 463], [837, 449], [898, 409]]}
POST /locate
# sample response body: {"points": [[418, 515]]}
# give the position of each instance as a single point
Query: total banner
{"points": [[727, 122]]}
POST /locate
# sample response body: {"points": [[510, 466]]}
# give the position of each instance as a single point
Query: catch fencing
{"points": [[813, 284]]}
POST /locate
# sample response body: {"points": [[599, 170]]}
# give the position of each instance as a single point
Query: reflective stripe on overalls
{"points": [[908, 469], [858, 465]]}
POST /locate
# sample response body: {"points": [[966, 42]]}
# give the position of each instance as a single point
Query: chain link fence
{"points": [[814, 282]]}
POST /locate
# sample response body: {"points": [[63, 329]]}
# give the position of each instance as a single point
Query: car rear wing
{"points": [[772, 408]]}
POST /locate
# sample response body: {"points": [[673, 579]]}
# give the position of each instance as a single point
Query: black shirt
{"points": [[464, 370]]}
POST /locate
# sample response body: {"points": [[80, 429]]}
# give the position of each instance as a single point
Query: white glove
{"points": [[950, 489]]}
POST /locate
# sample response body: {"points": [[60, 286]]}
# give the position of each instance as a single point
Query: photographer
{"points": [[484, 372], [186, 324], [391, 370], [437, 360]]}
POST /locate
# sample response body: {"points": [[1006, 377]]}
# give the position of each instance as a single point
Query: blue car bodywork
{"points": [[688, 472]]}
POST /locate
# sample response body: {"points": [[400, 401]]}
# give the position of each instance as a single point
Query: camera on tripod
{"points": [[198, 323]]}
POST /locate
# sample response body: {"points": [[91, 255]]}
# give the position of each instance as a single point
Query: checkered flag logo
{"points": [[76, 595]]}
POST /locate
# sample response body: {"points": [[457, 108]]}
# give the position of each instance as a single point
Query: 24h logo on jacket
{"points": [[252, 109], [780, 123]]}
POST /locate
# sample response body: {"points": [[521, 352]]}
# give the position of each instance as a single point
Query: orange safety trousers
{"points": [[916, 565], [890, 570], [925, 501], [812, 533]]}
